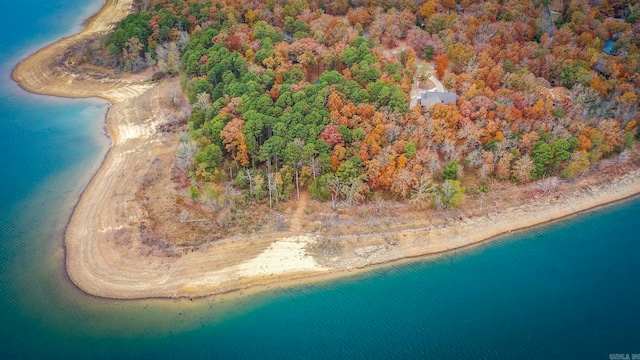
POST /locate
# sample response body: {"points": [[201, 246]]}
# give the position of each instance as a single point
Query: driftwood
{"points": [[565, 199], [194, 220], [184, 218]]}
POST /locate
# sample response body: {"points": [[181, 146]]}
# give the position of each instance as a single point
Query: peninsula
{"points": [[138, 231]]}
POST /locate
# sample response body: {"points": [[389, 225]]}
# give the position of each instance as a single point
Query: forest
{"points": [[304, 95]]}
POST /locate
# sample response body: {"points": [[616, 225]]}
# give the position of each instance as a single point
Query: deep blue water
{"points": [[568, 290]]}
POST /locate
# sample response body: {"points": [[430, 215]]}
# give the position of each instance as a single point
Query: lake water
{"points": [[568, 290]]}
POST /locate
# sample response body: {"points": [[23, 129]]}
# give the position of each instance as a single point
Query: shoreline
{"points": [[102, 260], [343, 274], [38, 74]]}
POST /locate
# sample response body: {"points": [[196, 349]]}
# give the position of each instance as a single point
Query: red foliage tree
{"points": [[331, 135]]}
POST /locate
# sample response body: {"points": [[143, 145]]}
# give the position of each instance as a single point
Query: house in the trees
{"points": [[431, 98]]}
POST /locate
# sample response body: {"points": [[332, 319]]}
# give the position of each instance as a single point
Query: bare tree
{"points": [[182, 40], [423, 192], [548, 185], [272, 184], [423, 73], [354, 189], [168, 58], [335, 187], [185, 153], [450, 151], [474, 159], [315, 165], [250, 178], [434, 164], [203, 101], [403, 182], [503, 167], [522, 169]]}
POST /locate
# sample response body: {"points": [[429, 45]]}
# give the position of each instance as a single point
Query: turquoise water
{"points": [[569, 290]]}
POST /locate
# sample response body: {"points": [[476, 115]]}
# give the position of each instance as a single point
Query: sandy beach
{"points": [[103, 260]]}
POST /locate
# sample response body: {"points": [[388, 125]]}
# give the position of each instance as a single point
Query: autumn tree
{"points": [[441, 65], [331, 135], [234, 141], [423, 192], [403, 181], [296, 90], [428, 9], [578, 165], [522, 169], [503, 167]]}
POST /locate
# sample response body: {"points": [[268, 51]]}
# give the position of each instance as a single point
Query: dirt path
{"points": [[297, 218]]}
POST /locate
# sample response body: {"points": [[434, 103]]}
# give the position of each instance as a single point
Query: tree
{"points": [[250, 177], [578, 165], [353, 190], [347, 170], [331, 135], [428, 52], [320, 189], [450, 195], [439, 22], [335, 186], [334, 103], [168, 58], [234, 141], [503, 167], [402, 182], [293, 158], [450, 171], [561, 151], [542, 157], [459, 54], [441, 65], [428, 9], [211, 157], [203, 101], [577, 73], [423, 73], [272, 183], [423, 192], [133, 54], [410, 150], [522, 169], [310, 154], [185, 155]]}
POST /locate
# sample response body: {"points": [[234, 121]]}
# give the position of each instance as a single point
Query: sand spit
{"points": [[40, 73]]}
